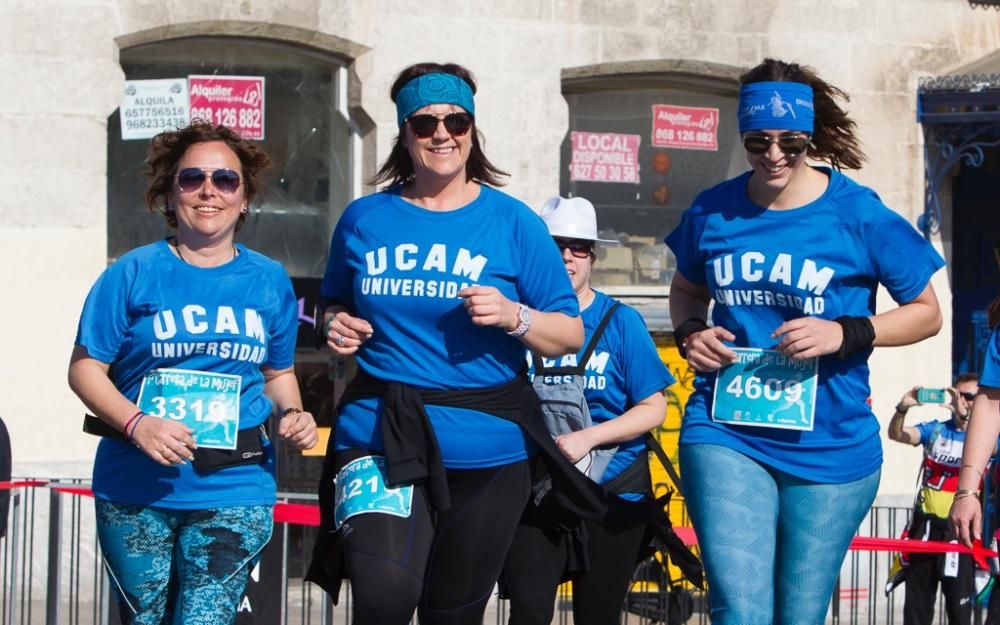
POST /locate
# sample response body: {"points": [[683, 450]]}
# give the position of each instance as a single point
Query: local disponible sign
{"points": [[236, 102], [151, 106], [604, 157], [685, 127]]}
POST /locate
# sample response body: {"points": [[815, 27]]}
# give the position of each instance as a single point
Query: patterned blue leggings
{"points": [[772, 544], [185, 567]]}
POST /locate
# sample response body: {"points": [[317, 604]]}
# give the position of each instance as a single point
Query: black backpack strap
{"points": [[654, 446], [598, 333]]}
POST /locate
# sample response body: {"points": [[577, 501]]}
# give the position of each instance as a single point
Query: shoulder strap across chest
{"points": [[581, 364]]}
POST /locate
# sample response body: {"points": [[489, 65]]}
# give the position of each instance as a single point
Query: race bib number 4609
{"points": [[766, 389]]}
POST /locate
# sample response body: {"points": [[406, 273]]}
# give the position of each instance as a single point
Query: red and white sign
{"points": [[685, 127], [236, 102], [604, 157]]}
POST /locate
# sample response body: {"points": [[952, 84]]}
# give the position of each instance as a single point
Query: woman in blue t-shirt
{"points": [[184, 351], [779, 448], [980, 441], [435, 285], [624, 380]]}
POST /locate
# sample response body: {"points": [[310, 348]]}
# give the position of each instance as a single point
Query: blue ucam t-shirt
{"points": [[400, 267], [991, 366], [764, 267], [623, 370], [151, 310]]}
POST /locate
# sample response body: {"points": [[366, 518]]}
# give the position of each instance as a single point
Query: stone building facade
{"points": [[546, 68]]}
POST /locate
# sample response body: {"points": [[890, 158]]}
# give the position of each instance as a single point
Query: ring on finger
{"points": [[339, 341]]}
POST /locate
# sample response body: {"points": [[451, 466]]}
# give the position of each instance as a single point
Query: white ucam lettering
{"points": [[225, 321], [723, 270], [467, 265], [194, 326], [402, 262], [598, 362], [376, 261], [569, 360], [437, 258], [813, 279], [782, 269], [746, 261], [254, 325], [164, 326]]}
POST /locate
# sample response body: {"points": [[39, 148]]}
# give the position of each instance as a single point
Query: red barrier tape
{"points": [[308, 514], [22, 484], [296, 514]]}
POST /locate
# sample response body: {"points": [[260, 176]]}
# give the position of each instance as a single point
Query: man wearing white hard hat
{"points": [[624, 383]]}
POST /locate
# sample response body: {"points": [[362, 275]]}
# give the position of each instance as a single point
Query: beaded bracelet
{"points": [[289, 411]]}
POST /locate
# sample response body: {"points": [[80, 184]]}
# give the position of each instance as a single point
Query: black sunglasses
{"points": [[968, 396], [577, 247], [191, 178], [423, 126], [791, 145]]}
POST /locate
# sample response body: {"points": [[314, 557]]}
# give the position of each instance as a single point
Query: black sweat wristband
{"points": [[686, 329], [859, 334]]}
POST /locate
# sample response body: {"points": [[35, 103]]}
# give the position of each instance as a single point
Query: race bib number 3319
{"points": [[208, 403], [766, 389]]}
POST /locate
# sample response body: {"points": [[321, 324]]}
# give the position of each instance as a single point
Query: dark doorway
{"points": [[975, 258]]}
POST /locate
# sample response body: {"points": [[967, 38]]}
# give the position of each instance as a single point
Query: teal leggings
{"points": [[180, 567], [772, 544]]}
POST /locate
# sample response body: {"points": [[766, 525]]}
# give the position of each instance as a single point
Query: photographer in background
{"points": [[943, 442]]}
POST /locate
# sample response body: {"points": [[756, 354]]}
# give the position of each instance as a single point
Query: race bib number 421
{"points": [[361, 489], [766, 389], [208, 403]]}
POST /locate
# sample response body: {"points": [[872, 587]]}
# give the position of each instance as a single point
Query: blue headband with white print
{"points": [[433, 89], [776, 106]]}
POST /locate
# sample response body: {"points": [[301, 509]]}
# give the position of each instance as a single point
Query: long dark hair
{"points": [[168, 147], [398, 168], [833, 138], [993, 313]]}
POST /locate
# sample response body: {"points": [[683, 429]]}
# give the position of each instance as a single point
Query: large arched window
{"points": [[307, 130], [643, 140]]}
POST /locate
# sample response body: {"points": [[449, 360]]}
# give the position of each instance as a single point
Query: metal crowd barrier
{"points": [[51, 573]]}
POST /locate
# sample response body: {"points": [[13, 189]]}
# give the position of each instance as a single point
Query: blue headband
{"points": [[433, 89], [776, 106]]}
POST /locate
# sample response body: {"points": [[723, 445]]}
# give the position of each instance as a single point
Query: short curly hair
{"points": [[167, 149]]}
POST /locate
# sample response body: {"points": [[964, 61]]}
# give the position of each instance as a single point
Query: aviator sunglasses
{"points": [[790, 145], [423, 126], [577, 247], [967, 396], [191, 178]]}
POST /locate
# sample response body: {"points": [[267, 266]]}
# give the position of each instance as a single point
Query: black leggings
{"points": [[445, 568], [538, 557]]}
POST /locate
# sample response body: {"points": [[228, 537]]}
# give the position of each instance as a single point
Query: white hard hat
{"points": [[572, 218]]}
